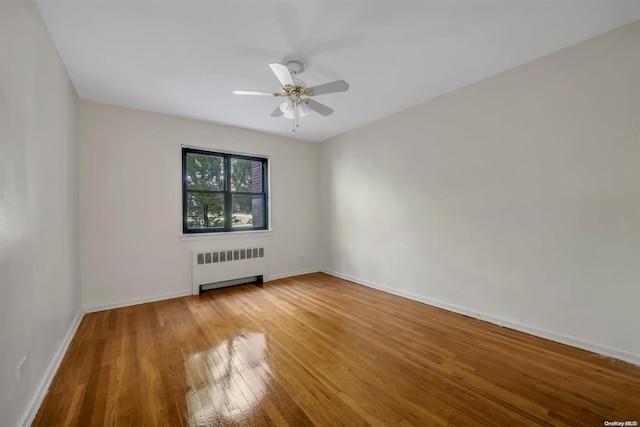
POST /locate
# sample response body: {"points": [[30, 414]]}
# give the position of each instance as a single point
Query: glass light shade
{"points": [[287, 109], [303, 109]]}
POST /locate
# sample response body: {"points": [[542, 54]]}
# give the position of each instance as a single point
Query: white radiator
{"points": [[219, 268]]}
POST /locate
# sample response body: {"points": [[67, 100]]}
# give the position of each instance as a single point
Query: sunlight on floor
{"points": [[228, 381]]}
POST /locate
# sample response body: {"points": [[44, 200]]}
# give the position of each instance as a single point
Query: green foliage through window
{"points": [[223, 192]]}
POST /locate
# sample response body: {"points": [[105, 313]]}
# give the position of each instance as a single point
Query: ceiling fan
{"points": [[297, 103]]}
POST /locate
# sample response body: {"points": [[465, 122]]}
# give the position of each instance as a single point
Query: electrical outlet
{"points": [[21, 368]]}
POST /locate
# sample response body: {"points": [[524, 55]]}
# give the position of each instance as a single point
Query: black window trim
{"points": [[228, 227]]}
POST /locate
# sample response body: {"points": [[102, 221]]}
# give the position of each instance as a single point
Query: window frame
{"points": [[226, 192]]}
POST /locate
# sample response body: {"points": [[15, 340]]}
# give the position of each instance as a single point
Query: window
{"points": [[223, 192]]}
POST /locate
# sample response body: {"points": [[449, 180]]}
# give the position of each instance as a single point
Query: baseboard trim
{"points": [[43, 387], [293, 273], [136, 301], [619, 354]]}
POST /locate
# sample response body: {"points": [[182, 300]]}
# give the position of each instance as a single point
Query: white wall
{"points": [[131, 206], [40, 292], [517, 197]]}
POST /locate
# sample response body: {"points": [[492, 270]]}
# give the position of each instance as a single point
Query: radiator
{"points": [[219, 268]]}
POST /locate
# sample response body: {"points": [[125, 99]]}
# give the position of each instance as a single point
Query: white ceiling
{"points": [[186, 57]]}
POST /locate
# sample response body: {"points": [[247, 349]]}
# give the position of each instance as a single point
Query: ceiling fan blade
{"points": [[337, 86], [282, 73], [319, 108], [277, 112], [253, 92]]}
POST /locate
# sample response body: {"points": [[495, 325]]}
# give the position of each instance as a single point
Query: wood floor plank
{"points": [[318, 350]]}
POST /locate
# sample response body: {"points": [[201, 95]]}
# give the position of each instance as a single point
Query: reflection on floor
{"points": [[228, 380]]}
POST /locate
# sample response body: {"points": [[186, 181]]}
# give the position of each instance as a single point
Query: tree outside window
{"points": [[223, 192]]}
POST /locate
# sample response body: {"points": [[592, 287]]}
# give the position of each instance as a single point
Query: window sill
{"points": [[224, 235]]}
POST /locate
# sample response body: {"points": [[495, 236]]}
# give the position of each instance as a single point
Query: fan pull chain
{"points": [[295, 105]]}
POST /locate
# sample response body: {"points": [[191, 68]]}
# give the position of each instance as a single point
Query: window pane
{"points": [[248, 211], [205, 210], [205, 172], [246, 176]]}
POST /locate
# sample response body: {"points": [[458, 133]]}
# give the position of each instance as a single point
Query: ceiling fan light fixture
{"points": [[288, 111]]}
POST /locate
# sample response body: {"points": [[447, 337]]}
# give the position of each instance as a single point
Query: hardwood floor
{"points": [[317, 350]]}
